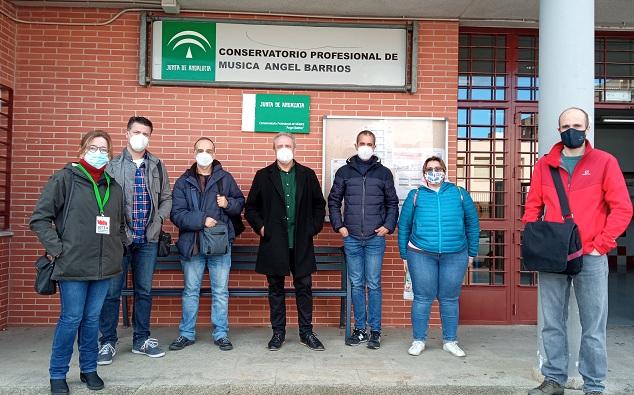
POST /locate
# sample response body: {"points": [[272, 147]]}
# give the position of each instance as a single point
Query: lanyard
{"points": [[100, 203]]}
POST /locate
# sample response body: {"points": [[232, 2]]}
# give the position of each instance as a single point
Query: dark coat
{"points": [[265, 206], [370, 198], [190, 219], [68, 201]]}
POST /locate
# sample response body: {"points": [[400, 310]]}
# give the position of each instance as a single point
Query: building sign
{"points": [[244, 54], [275, 113]]}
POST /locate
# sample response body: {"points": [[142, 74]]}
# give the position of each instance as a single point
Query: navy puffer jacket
{"points": [[189, 218], [370, 198]]}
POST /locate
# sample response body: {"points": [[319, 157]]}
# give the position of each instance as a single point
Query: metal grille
{"points": [[482, 67], [614, 70], [6, 128]]}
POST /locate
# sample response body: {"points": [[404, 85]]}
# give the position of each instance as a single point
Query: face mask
{"points": [[573, 138], [204, 159], [139, 142], [96, 159], [365, 152], [284, 155], [434, 177]]}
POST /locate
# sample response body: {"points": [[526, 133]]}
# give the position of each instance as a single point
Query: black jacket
{"points": [[68, 201], [190, 219], [265, 206], [370, 198]]}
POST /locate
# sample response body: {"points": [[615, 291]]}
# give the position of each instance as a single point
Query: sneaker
{"points": [[375, 340], [224, 344], [106, 353], [416, 348], [149, 347], [311, 341], [547, 387], [357, 337], [180, 343], [593, 393], [453, 349], [276, 341]]}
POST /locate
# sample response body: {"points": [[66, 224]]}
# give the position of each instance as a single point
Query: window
{"points": [[614, 70], [482, 67]]}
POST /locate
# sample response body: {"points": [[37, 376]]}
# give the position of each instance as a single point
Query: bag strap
{"points": [[561, 193], [159, 166]]}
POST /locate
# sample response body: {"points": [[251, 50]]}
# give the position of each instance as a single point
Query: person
{"points": [[601, 207], [148, 201], [371, 212], [286, 208], [198, 202], [85, 204], [438, 238]]}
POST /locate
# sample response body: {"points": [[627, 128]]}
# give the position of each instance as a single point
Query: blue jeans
{"points": [[591, 290], [81, 303], [365, 259], [142, 258], [436, 276], [194, 270]]}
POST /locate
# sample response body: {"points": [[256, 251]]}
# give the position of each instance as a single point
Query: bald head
{"points": [[573, 117]]}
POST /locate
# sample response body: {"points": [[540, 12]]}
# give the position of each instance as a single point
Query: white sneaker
{"points": [[416, 348], [453, 349]]}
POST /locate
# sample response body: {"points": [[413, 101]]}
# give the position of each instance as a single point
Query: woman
{"points": [[437, 238], [86, 206]]}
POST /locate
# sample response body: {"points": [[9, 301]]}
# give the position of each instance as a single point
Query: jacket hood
{"points": [[554, 156], [191, 172], [354, 161]]}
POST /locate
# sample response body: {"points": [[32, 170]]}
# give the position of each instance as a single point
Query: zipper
{"points": [[363, 208], [439, 227]]}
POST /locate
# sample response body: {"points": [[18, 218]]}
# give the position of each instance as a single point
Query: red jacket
{"points": [[597, 195]]}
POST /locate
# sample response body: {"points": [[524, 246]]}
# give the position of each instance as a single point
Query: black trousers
{"points": [[303, 298]]}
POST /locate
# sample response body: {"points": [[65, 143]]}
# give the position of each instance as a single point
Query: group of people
{"points": [[129, 197]]}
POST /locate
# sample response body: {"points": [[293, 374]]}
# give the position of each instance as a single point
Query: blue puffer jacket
{"points": [[443, 222], [370, 198], [189, 218]]}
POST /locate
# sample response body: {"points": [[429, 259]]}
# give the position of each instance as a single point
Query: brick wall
{"points": [[7, 76], [71, 79]]}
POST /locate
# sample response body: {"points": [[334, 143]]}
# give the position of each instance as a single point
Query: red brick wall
{"points": [[71, 79]]}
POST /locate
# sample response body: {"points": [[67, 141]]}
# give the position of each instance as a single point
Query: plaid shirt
{"points": [[141, 206]]}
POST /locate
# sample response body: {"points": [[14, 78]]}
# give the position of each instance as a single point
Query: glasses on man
{"points": [[436, 169], [94, 148]]}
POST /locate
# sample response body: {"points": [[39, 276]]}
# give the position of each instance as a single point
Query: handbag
{"points": [[165, 239], [553, 247], [44, 285], [214, 240], [236, 221]]}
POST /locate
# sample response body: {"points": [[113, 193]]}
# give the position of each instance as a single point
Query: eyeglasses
{"points": [[94, 148], [436, 169]]}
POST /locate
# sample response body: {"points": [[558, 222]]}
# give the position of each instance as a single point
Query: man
{"points": [[148, 202], [371, 212], [204, 196], [601, 208], [286, 208]]}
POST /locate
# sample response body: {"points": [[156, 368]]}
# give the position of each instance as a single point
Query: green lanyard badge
{"points": [[101, 203]]}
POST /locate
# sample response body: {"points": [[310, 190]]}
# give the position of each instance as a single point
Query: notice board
{"points": [[402, 144]]}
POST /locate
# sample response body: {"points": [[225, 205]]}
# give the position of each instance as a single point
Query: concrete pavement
{"points": [[499, 361]]}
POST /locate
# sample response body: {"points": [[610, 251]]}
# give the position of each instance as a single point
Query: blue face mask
{"points": [[96, 159], [435, 177]]}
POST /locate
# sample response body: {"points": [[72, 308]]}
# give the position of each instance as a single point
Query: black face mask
{"points": [[573, 138]]}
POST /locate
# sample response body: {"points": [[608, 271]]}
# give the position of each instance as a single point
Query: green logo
{"points": [[189, 51]]}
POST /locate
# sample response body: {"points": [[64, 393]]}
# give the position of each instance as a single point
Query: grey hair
{"points": [[284, 134]]}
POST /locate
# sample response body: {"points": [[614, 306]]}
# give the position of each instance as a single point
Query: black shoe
{"points": [[276, 341], [547, 387], [92, 380], [375, 340], [224, 344], [59, 387], [357, 337], [593, 393], [311, 341], [180, 343]]}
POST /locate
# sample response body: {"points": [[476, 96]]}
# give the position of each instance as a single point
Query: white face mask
{"points": [[204, 159], [365, 152], [284, 155], [139, 142]]}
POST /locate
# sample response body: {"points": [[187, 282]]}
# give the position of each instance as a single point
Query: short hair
{"points": [[366, 133], [142, 120], [205, 138], [435, 159], [575, 108], [87, 138], [284, 134]]}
